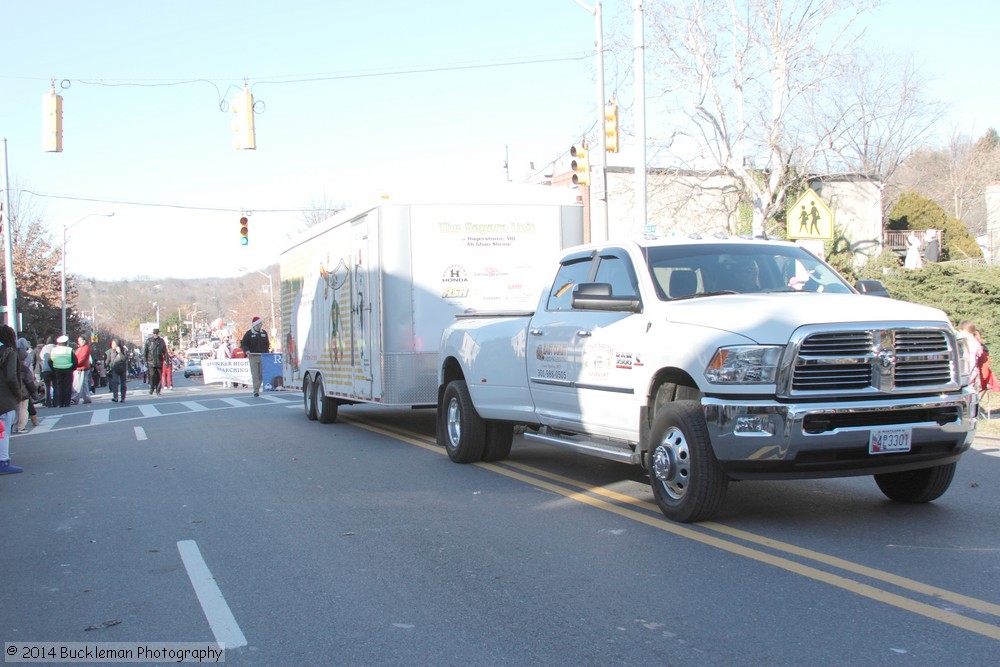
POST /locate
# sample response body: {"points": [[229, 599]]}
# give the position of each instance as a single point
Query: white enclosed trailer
{"points": [[366, 294]]}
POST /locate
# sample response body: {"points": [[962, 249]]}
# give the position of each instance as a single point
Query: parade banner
{"points": [[226, 370], [238, 371]]}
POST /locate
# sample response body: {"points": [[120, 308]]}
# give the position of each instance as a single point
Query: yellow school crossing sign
{"points": [[810, 218]]}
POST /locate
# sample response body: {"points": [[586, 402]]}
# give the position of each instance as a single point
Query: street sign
{"points": [[810, 218]]}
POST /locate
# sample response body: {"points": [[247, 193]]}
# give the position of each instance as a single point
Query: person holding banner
{"points": [[255, 343]]}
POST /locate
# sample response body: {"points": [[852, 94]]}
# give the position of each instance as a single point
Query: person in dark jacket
{"points": [[254, 344], [26, 409], [10, 395], [155, 354], [62, 361], [117, 363]]}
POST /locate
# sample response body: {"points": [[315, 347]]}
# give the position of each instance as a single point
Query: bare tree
{"points": [[741, 79], [318, 211], [876, 113], [955, 177]]}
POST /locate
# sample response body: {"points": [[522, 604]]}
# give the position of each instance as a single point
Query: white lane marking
{"points": [[49, 424], [100, 416], [149, 411], [140, 433], [194, 406], [273, 399], [227, 632], [44, 424]]}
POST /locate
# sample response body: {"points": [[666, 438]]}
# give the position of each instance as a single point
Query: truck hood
{"points": [[771, 318]]}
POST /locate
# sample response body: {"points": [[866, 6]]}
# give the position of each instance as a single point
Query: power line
{"points": [[188, 207]]}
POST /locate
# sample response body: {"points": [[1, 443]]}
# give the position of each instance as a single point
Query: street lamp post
{"points": [[66, 229]]}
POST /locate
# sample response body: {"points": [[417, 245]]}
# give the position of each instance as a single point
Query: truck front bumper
{"points": [[771, 440]]}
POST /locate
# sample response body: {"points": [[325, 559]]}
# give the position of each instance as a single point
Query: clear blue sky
{"points": [[361, 99]]}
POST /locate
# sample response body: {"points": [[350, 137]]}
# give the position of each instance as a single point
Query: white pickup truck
{"points": [[710, 360]]}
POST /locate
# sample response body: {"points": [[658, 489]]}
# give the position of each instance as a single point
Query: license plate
{"points": [[889, 440]]}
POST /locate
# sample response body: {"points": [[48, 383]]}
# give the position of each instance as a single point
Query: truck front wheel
{"points": [[463, 430], [916, 486], [688, 483]]}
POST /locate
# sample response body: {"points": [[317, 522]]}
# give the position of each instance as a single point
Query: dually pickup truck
{"points": [[710, 360]]}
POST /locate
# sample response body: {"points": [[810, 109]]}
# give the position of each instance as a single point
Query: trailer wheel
{"points": [[687, 481], [499, 438], [326, 410], [326, 407], [463, 429], [307, 399], [917, 486]]}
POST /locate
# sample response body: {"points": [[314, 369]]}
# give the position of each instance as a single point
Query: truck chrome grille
{"points": [[878, 360]]}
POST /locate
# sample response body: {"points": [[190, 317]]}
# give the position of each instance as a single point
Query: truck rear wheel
{"points": [[687, 481], [326, 407], [499, 438], [917, 486], [463, 430], [307, 399]]}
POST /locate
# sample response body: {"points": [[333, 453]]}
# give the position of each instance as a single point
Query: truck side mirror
{"points": [[597, 296], [871, 287]]}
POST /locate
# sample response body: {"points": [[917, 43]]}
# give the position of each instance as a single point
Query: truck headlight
{"points": [[965, 362], [744, 364]]}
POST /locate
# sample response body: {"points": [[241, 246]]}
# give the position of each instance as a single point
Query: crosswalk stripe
{"points": [[44, 424], [103, 416]]}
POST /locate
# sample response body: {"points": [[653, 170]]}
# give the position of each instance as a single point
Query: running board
{"points": [[589, 448]]}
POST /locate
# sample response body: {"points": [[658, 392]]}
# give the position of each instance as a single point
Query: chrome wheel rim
{"points": [[453, 425], [672, 463]]}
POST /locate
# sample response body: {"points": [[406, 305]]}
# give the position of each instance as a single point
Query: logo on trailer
{"points": [[455, 274]]}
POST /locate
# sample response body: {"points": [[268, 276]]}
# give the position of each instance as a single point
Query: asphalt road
{"points": [[360, 543]]}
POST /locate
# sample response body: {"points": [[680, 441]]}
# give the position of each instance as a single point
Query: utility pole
{"points": [[639, 65], [599, 180], [8, 230]]}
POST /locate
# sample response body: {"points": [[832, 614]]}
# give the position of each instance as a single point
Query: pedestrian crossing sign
{"points": [[810, 218]]}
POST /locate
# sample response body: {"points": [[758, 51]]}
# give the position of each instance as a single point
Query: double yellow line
{"points": [[714, 535]]}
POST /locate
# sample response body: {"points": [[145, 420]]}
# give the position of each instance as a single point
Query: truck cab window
{"points": [[569, 275], [618, 273]]}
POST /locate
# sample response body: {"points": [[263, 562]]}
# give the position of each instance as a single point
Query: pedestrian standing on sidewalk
{"points": [[46, 372], [117, 363], [26, 408], [10, 396], [154, 352], [255, 343], [63, 362], [81, 375]]}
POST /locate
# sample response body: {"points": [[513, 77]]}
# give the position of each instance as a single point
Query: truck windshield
{"points": [[685, 271]]}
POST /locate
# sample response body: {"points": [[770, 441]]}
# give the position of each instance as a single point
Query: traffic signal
{"points": [[611, 126], [243, 230], [580, 165], [52, 121], [244, 134]]}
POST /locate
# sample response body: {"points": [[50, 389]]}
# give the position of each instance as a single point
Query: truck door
{"points": [[610, 355], [553, 347]]}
